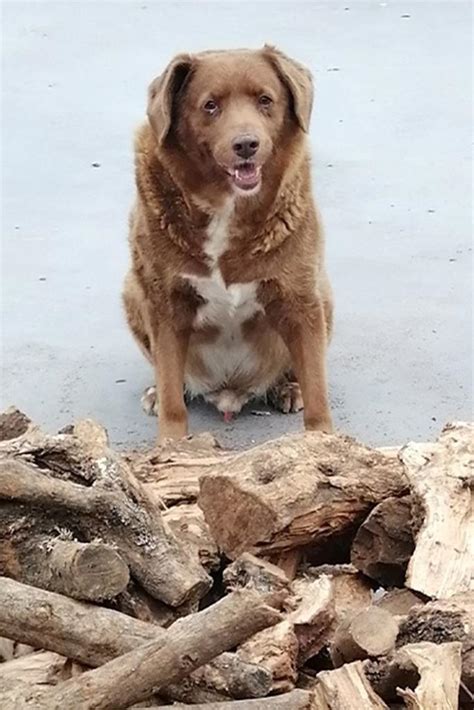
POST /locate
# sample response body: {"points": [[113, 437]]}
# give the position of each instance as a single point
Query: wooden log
{"points": [[369, 633], [346, 688], [440, 474], [39, 668], [255, 573], [93, 635], [399, 602], [444, 621], [116, 509], [136, 602], [295, 700], [88, 571], [351, 591], [190, 643], [425, 675], [283, 648], [296, 490], [384, 542], [188, 525]]}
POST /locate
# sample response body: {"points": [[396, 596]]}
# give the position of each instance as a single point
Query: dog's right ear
{"points": [[162, 94]]}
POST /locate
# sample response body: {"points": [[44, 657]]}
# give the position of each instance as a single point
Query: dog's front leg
{"points": [[304, 333], [170, 350]]}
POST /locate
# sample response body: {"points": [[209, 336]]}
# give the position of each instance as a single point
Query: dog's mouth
{"points": [[245, 176]]}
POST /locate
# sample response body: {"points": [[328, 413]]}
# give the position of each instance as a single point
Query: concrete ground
{"points": [[391, 134]]}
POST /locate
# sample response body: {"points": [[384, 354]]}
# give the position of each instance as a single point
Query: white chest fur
{"points": [[226, 307]]}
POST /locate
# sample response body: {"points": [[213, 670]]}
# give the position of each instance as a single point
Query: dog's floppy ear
{"points": [[162, 94], [298, 80]]}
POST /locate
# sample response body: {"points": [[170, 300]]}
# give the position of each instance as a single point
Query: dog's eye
{"points": [[210, 106], [265, 100]]}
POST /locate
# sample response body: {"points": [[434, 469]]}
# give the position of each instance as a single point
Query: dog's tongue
{"points": [[246, 176]]}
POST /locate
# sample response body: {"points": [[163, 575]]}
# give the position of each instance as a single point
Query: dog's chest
{"points": [[226, 307]]}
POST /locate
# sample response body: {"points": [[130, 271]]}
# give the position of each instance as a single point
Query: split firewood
{"points": [[38, 669], [296, 490], [190, 643], [399, 602], [188, 525], [93, 635], [80, 486], [440, 477], [425, 675], [89, 571], [170, 473], [444, 621], [283, 648], [384, 542], [369, 633], [294, 700], [351, 591], [346, 688], [10, 649], [255, 573]]}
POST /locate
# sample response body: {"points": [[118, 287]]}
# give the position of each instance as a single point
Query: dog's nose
{"points": [[245, 146]]}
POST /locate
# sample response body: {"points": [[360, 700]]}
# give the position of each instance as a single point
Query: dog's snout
{"points": [[245, 146]]}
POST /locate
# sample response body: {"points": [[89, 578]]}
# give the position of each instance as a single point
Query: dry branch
{"points": [[440, 476], [296, 490], [190, 643]]}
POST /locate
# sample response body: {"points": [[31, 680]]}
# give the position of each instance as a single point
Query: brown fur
{"points": [[275, 238]]}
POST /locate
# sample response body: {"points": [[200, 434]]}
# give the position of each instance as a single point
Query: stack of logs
{"points": [[308, 572]]}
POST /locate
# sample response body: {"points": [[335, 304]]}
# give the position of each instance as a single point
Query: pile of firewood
{"points": [[308, 572]]}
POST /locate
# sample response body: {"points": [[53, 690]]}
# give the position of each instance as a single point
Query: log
{"points": [[295, 700], [351, 591], [136, 602], [13, 424], [88, 571], [425, 675], [39, 668], [399, 602], [346, 688], [296, 490], [93, 635], [372, 632], [442, 622], [188, 525], [114, 508], [190, 643], [439, 475], [283, 648], [254, 573], [384, 542]]}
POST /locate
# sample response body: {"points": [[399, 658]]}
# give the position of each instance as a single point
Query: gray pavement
{"points": [[391, 135]]}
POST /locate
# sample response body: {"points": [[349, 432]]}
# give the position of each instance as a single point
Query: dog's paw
{"points": [[149, 401], [286, 397]]}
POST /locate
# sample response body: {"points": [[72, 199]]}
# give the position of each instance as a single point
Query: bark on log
{"points": [[94, 635], [441, 622], [254, 573], [190, 643], [346, 688], [189, 527], [369, 633], [296, 490], [136, 602], [425, 675], [440, 476], [295, 700], [115, 508], [88, 571], [384, 542]]}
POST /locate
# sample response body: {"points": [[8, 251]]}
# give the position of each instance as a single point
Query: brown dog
{"points": [[228, 293]]}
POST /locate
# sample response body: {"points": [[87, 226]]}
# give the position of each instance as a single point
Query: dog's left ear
{"points": [[162, 94], [297, 78]]}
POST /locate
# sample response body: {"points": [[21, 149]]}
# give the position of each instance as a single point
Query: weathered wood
{"points": [[441, 622], [346, 688], [115, 509], [384, 542], [296, 490], [190, 643], [425, 675], [89, 571], [40, 668], [189, 527], [13, 424], [351, 591], [93, 635], [440, 475], [399, 602], [371, 632], [295, 700], [136, 602], [283, 648], [255, 573]]}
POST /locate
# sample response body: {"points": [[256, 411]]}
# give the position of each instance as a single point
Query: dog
{"points": [[227, 294]]}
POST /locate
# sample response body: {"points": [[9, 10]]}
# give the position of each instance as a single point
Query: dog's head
{"points": [[231, 112]]}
